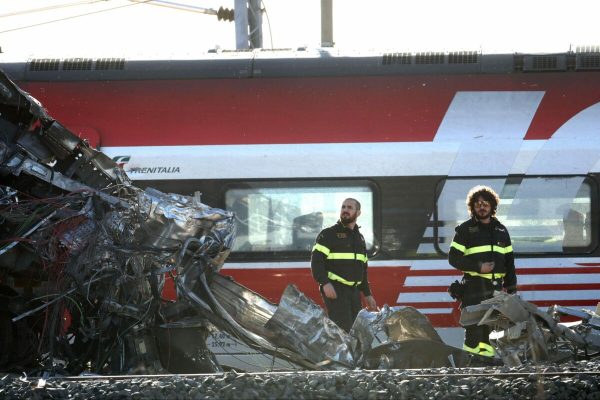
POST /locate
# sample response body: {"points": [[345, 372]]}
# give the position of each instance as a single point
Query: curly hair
{"points": [[487, 193]]}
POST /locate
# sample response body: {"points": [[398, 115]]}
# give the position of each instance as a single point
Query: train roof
{"points": [[300, 62]]}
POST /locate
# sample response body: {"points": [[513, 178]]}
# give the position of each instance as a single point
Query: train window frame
{"points": [[481, 180], [304, 255]]}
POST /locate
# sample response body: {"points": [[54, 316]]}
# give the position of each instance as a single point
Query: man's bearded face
{"points": [[349, 213], [483, 208]]}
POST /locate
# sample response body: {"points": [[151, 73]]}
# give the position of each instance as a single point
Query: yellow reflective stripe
{"points": [[486, 276], [334, 277], [486, 350], [483, 249], [483, 349], [470, 349], [321, 248], [503, 250], [478, 249], [347, 256], [458, 247]]}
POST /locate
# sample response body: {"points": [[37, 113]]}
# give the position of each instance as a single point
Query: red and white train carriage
{"points": [[282, 137]]}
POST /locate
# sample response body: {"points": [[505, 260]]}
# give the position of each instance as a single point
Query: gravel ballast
{"points": [[568, 381]]}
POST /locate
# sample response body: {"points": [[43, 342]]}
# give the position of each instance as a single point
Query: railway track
{"points": [[408, 374], [568, 381]]}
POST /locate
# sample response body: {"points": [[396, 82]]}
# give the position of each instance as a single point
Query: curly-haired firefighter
{"points": [[482, 250]]}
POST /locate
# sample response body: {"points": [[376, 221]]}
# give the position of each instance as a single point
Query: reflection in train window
{"points": [[279, 217], [542, 214]]}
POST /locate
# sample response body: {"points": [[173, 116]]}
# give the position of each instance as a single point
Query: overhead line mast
{"points": [[248, 24]]}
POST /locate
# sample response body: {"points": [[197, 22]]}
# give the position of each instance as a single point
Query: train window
{"points": [[542, 214], [283, 217]]}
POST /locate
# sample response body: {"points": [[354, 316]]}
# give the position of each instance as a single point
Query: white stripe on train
{"points": [[441, 311], [474, 121], [280, 161], [527, 295], [426, 265], [523, 279]]}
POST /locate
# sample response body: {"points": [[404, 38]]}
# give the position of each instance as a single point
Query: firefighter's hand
{"points": [[371, 303], [329, 291], [487, 267]]}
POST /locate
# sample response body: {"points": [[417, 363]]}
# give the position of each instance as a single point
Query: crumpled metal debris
{"points": [[391, 324], [88, 252], [396, 323], [524, 333], [170, 217], [304, 327], [84, 253], [393, 337], [402, 337]]}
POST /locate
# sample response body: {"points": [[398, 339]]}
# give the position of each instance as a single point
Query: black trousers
{"points": [[344, 309], [476, 290]]}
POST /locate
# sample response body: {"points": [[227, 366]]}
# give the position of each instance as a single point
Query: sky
{"points": [[176, 28]]}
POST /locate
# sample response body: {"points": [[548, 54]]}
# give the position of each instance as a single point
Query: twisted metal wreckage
{"points": [[83, 259]]}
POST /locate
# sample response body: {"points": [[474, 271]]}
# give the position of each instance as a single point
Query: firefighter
{"points": [[339, 265], [482, 250]]}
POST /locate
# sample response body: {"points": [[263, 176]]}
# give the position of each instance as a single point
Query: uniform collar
{"points": [[342, 226], [493, 221]]}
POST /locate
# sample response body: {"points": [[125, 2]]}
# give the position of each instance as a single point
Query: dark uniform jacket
{"points": [[476, 243], [340, 254]]}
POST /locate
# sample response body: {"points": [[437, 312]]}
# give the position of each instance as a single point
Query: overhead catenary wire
{"points": [[268, 23], [49, 8], [73, 17], [160, 3], [179, 6]]}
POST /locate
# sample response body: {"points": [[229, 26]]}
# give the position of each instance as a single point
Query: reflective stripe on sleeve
{"points": [[321, 248], [503, 250], [458, 247]]}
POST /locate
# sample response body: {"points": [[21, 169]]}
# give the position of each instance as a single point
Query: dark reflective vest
{"points": [[340, 254], [475, 243]]}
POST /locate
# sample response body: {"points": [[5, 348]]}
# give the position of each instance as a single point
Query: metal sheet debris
{"points": [[524, 333], [304, 327]]}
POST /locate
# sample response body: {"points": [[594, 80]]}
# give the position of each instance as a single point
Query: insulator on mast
{"points": [[225, 14]]}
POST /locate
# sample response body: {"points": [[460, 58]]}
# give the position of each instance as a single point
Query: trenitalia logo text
{"points": [[123, 160], [154, 170]]}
